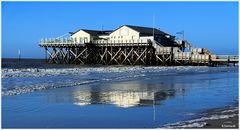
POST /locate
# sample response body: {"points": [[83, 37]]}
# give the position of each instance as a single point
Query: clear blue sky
{"points": [[213, 25]]}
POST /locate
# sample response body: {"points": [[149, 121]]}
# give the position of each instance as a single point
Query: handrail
{"points": [[120, 41], [226, 56], [72, 41]]}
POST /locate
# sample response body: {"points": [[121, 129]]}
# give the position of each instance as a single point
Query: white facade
{"points": [[124, 34], [81, 37]]}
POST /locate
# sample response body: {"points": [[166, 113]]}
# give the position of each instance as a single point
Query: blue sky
{"points": [[212, 25]]}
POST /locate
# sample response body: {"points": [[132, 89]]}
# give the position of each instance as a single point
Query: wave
{"points": [[22, 90], [32, 88], [85, 73], [66, 71]]}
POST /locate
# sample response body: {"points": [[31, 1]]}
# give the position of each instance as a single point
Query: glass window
{"points": [[85, 39]]}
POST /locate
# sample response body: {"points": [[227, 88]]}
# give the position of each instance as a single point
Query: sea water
{"points": [[52, 96]]}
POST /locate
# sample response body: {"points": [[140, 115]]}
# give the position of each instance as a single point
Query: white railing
{"points": [[200, 57], [120, 41], [167, 50], [72, 41], [57, 41], [190, 56], [197, 50], [224, 57], [163, 50], [200, 50]]}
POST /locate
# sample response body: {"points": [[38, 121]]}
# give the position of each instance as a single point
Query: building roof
{"points": [[145, 30], [93, 32]]}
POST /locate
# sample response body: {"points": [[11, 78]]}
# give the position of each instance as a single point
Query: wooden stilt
{"points": [[129, 54]]}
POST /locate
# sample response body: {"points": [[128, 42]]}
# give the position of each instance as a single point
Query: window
{"points": [[85, 39], [81, 40], [75, 39]]}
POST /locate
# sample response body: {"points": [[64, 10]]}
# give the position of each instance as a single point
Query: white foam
{"points": [[235, 109], [65, 71], [32, 88], [108, 74], [193, 125]]}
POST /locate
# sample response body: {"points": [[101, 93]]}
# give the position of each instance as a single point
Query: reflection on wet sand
{"points": [[127, 96], [122, 95], [121, 98]]}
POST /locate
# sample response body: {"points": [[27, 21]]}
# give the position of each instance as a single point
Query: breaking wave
{"points": [[31, 88], [22, 90], [34, 79], [66, 71]]}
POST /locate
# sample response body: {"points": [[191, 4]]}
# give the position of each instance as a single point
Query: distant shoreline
{"points": [[15, 63], [23, 59]]}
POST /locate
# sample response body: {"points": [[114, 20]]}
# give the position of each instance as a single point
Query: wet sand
{"points": [[229, 123], [225, 123], [218, 118]]}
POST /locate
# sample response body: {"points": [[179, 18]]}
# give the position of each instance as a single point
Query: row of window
{"points": [[81, 39], [113, 37], [122, 41]]}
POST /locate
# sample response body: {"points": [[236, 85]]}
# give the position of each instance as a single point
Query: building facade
{"points": [[124, 34]]}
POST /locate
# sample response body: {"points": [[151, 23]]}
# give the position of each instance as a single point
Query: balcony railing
{"points": [[121, 41], [72, 41], [57, 40]]}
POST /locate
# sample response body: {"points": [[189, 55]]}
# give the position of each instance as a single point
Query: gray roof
{"points": [[91, 32], [146, 30], [94, 32]]}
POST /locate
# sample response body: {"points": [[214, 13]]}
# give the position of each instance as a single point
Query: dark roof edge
{"points": [[85, 30], [71, 33]]}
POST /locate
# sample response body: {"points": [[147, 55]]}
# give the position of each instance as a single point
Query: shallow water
{"points": [[112, 97]]}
